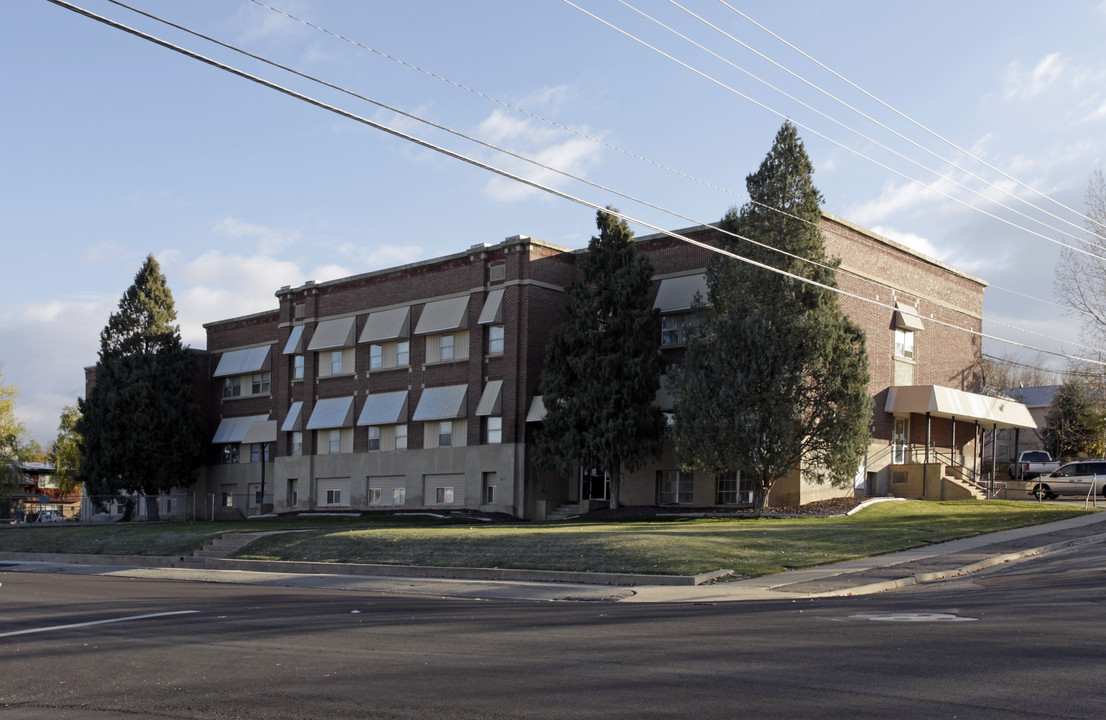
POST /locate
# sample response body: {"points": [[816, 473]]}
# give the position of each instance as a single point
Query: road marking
{"points": [[96, 622], [912, 617]]}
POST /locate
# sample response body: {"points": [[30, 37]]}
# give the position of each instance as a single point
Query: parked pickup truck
{"points": [[1032, 463]]}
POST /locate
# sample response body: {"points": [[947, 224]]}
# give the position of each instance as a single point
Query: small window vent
{"points": [[300, 311], [497, 273]]}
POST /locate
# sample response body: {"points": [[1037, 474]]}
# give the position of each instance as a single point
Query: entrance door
{"points": [[594, 485], [900, 440]]}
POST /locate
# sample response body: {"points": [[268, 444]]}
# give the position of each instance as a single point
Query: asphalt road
{"points": [[1024, 642]]}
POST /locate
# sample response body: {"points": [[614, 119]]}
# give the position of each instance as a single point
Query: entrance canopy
{"points": [[945, 402]]}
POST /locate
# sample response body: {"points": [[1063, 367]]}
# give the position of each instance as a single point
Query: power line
{"points": [[531, 183], [822, 135], [912, 120], [550, 122], [853, 130]]}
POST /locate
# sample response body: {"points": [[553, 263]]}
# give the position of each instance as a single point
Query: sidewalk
{"points": [[854, 577]]}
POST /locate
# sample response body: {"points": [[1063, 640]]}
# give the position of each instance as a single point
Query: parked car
{"points": [[1032, 463], [1075, 478], [46, 516]]}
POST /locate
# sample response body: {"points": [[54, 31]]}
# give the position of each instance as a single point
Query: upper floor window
{"points": [[230, 453], [297, 443], [260, 383], [389, 355], [376, 356], [297, 367], [446, 347], [232, 386], [445, 433], [674, 329], [904, 343], [495, 429], [495, 339], [336, 362], [403, 353], [374, 437], [401, 437]]}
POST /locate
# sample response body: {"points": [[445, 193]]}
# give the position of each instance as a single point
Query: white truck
{"points": [[1031, 463]]}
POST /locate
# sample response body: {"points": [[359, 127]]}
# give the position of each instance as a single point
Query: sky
{"points": [[116, 148]]}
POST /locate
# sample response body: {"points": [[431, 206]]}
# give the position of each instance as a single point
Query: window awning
{"points": [[537, 410], [491, 399], [262, 432], [945, 402], [492, 314], [294, 346], [443, 316], [241, 362], [293, 421], [678, 293], [332, 413], [234, 429], [386, 325], [333, 334], [442, 403], [384, 409], [906, 317]]}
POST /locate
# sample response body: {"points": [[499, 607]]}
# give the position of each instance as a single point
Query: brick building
{"points": [[417, 386]]}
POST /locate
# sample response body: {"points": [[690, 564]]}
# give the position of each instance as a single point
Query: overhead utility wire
{"points": [[598, 186], [912, 120], [822, 135], [511, 176], [868, 117], [574, 131]]}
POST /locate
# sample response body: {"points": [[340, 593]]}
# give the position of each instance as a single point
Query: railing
{"points": [[915, 454]]}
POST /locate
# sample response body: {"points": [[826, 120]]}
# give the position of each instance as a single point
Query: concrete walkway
{"points": [[855, 577]]}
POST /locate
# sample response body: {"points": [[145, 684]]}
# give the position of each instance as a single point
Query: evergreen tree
{"points": [[602, 365], [775, 377], [1075, 423], [140, 430]]}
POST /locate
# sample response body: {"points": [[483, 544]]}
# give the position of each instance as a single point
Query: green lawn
{"points": [[679, 546]]}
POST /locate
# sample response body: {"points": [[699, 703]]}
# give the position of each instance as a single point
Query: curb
{"points": [[975, 567]]}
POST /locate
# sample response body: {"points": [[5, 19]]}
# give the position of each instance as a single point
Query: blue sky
{"points": [[116, 148]]}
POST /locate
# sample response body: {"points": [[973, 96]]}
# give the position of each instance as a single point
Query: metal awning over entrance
{"points": [[943, 402]]}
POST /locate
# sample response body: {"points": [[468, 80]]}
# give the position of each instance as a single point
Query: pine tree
{"points": [[602, 366], [1075, 423], [140, 430], [775, 377]]}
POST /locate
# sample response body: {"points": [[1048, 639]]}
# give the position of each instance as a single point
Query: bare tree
{"points": [[1081, 277]]}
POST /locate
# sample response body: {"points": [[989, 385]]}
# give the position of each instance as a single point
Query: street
{"points": [[1025, 641]]}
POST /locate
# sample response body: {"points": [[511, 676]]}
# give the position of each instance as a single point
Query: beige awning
{"points": [[384, 409], [441, 403], [332, 334], [945, 402], [293, 421], [907, 318], [243, 362], [262, 432], [234, 429], [387, 325], [491, 400], [331, 413], [537, 410], [492, 313], [443, 316]]}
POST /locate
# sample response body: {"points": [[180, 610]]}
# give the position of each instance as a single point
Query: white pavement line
{"points": [[96, 622]]}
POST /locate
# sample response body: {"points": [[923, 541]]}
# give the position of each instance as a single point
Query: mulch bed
{"points": [[819, 508]]}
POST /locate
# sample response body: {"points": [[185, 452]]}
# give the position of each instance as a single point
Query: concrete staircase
{"points": [[564, 512], [220, 547]]}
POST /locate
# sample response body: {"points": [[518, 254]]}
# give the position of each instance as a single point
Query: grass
{"points": [[678, 546]]}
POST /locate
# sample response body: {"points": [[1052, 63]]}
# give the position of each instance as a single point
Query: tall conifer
{"points": [[140, 430], [602, 365], [775, 378]]}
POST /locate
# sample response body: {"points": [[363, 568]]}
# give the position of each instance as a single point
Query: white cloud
{"points": [[267, 241], [105, 253], [1023, 84], [369, 258], [912, 241]]}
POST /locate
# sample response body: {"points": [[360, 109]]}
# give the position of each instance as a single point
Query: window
{"points": [[227, 499], [399, 496], [675, 487], [446, 346], [232, 387], [230, 454], [374, 496], [335, 443], [443, 495], [333, 497], [297, 443], [669, 425], [403, 353], [255, 452], [293, 492], [374, 437], [297, 367], [495, 339], [445, 434], [401, 437], [300, 310], [489, 488], [335, 362], [904, 343], [260, 383], [495, 430], [376, 357], [674, 329], [734, 489]]}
